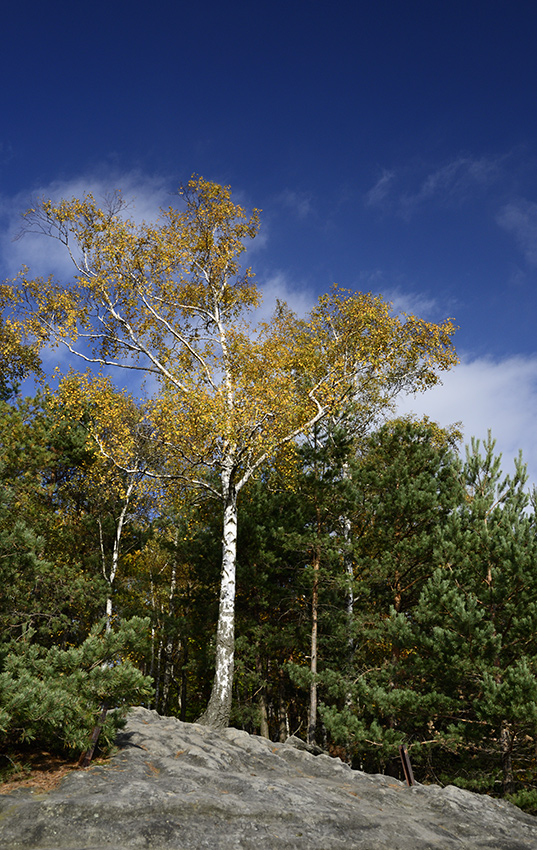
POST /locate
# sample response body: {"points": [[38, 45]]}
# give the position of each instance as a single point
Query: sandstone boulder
{"points": [[181, 786]]}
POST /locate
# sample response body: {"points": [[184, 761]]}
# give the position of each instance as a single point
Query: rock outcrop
{"points": [[180, 786]]}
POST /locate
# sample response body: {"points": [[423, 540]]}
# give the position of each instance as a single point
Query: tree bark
{"points": [[312, 717], [169, 650], [110, 576], [506, 747], [219, 708], [283, 722], [86, 757], [262, 702], [349, 573], [183, 690]]}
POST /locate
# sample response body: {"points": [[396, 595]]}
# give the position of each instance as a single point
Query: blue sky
{"points": [[392, 146]]}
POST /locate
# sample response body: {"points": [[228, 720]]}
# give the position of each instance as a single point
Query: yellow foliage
{"points": [[170, 299]]}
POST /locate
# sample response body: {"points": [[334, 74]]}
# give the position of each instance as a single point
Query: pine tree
{"points": [[471, 641], [53, 697], [49, 581], [403, 487]]}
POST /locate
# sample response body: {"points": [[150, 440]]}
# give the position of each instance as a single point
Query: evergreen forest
{"points": [[253, 538], [387, 595]]}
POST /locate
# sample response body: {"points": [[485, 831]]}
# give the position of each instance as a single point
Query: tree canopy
{"points": [[170, 301]]}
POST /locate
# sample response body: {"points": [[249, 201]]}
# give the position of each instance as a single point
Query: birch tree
{"points": [[116, 485], [17, 359], [169, 301]]}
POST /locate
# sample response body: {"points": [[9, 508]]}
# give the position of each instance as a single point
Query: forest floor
{"points": [[36, 769]]}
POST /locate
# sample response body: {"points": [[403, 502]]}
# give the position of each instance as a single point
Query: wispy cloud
{"points": [[404, 191], [520, 219], [404, 296], [483, 394], [300, 203], [415, 303], [382, 191]]}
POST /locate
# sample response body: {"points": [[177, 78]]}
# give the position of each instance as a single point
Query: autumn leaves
{"points": [[169, 301]]}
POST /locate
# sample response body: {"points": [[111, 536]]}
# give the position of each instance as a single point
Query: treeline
{"points": [[246, 542], [386, 594]]}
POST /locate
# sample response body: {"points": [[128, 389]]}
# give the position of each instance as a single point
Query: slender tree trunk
{"points": [[86, 757], [349, 602], [110, 575], [283, 726], [153, 637], [168, 675], [262, 702], [219, 708], [506, 747], [349, 597], [349, 573], [312, 716], [152, 662], [349, 593], [183, 691], [157, 676], [168, 652]]}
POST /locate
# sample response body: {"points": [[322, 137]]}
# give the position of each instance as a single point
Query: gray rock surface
{"points": [[180, 786]]}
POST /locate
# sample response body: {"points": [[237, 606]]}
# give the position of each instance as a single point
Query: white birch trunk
{"points": [[157, 676], [312, 715], [218, 710], [349, 572], [168, 667], [110, 576]]}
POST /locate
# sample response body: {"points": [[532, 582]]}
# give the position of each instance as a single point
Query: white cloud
{"points": [[145, 195], [279, 287], [520, 219], [485, 394], [413, 303], [405, 191]]}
